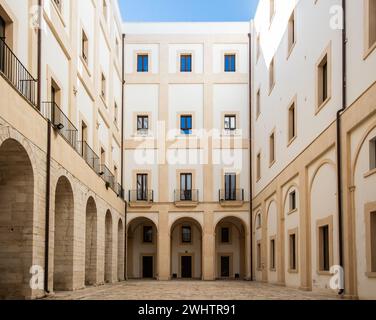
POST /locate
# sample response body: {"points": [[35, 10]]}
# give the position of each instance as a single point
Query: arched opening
{"points": [[63, 242], [108, 248], [120, 253], [142, 249], [186, 249], [230, 237], [91, 243], [16, 220]]}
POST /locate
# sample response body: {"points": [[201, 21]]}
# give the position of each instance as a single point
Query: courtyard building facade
{"points": [[203, 151]]}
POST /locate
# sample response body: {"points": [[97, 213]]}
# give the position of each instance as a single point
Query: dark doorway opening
{"points": [[147, 267], [186, 267], [225, 267]]}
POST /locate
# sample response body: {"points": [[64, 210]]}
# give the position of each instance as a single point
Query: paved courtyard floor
{"points": [[190, 290]]}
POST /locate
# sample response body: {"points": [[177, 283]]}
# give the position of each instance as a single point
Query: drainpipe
{"points": [[48, 156], [250, 151], [339, 142], [122, 156]]}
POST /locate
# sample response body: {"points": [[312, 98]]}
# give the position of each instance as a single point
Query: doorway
{"points": [[186, 267], [225, 266], [147, 267]]}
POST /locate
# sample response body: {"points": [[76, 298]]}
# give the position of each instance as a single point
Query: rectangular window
{"points": [[324, 262], [186, 63], [372, 154], [272, 148], [258, 166], [85, 47], [142, 187], [323, 83], [230, 63], [373, 241], [186, 234], [292, 249], [115, 174], [148, 234], [291, 32], [272, 254], [271, 75], [292, 122], [103, 86], [230, 187], [83, 131], [142, 124], [186, 124], [225, 235], [259, 264], [186, 187], [258, 103], [230, 122], [105, 9], [142, 63], [2, 28], [371, 23], [292, 200]]}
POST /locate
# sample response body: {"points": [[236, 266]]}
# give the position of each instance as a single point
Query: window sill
{"points": [[272, 269], [290, 50], [291, 141], [322, 105], [271, 88], [186, 204], [369, 51], [86, 66], [371, 275], [231, 203], [271, 164], [140, 204], [370, 173], [59, 13], [324, 273], [230, 133], [292, 211], [295, 271]]}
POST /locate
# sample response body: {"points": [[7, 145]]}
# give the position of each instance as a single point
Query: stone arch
{"points": [[142, 248], [108, 248], [120, 251], [16, 220], [230, 257], [63, 235], [186, 257], [91, 242]]}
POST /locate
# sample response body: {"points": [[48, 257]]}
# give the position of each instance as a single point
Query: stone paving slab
{"points": [[191, 290]]}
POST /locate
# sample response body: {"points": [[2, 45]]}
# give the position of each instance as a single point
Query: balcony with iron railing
{"points": [[107, 177], [60, 122], [141, 198], [15, 73], [231, 197], [186, 198], [88, 154]]}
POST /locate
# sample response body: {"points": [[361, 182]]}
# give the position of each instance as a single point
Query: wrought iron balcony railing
{"points": [[107, 177], [186, 195], [60, 122], [119, 190], [141, 196], [16, 74], [231, 195], [88, 155]]}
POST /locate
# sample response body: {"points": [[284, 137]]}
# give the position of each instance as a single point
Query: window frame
{"points": [[324, 79], [188, 66], [186, 127], [144, 59], [232, 124], [183, 240], [142, 117], [293, 253], [145, 230], [230, 66]]}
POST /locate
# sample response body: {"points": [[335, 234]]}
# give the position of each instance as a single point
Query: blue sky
{"points": [[183, 10]]}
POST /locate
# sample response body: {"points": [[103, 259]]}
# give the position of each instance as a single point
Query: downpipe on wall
{"points": [[339, 144], [250, 154]]}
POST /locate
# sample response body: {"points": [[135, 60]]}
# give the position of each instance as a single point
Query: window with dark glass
{"points": [[2, 28], [230, 122], [186, 63], [292, 197], [142, 63], [186, 234], [142, 123], [142, 186], [225, 235], [186, 124], [186, 187], [372, 154], [84, 46], [230, 63], [324, 248], [373, 241], [272, 254], [230, 186], [148, 234], [292, 246], [2, 46]]}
